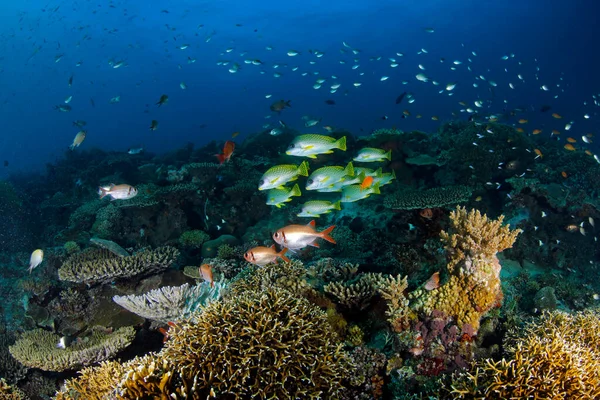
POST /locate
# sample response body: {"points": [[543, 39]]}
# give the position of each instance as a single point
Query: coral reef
{"points": [[93, 383], [431, 198], [193, 239], [7, 392], [554, 357], [38, 348], [473, 285], [357, 293], [101, 266], [171, 303]]}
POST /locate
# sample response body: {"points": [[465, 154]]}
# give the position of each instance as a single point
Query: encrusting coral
{"points": [[555, 357], [473, 286], [101, 266], [171, 303], [38, 348]]}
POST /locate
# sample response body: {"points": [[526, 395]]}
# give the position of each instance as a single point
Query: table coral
{"points": [[101, 266], [430, 198], [473, 285], [171, 303], [37, 349]]}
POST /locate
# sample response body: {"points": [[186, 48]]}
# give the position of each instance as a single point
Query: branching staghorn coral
{"points": [[399, 313], [473, 287], [356, 294], [430, 198], [8, 392], [93, 383], [101, 266], [555, 357], [171, 303], [37, 348]]}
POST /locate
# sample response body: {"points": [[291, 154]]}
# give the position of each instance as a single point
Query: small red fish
{"points": [[207, 275], [227, 152], [366, 183]]}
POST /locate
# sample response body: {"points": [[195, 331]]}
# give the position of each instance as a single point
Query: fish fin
{"points": [[337, 205], [287, 103], [280, 187], [394, 174], [341, 143], [281, 254], [362, 176], [313, 156], [376, 189], [388, 155], [379, 172], [103, 192], [303, 168], [221, 158], [314, 244], [349, 170], [278, 205], [312, 223], [72, 147], [325, 234], [295, 191]]}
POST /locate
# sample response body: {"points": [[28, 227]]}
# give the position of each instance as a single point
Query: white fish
{"points": [[36, 259], [422, 77], [384, 78], [118, 192]]}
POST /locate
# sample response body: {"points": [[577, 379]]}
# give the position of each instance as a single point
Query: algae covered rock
{"points": [[210, 249]]}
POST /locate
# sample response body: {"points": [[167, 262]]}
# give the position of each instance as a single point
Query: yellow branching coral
{"points": [[476, 236], [399, 313], [8, 392], [555, 357], [93, 383], [37, 349], [473, 286]]}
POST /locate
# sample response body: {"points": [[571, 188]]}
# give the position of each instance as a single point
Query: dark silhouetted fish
{"points": [[400, 98], [330, 102], [545, 108]]}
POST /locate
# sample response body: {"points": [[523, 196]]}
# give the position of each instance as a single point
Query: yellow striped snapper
{"points": [[383, 179], [367, 171], [326, 177], [315, 208], [278, 197], [279, 175], [312, 144], [371, 154], [347, 181], [354, 193]]}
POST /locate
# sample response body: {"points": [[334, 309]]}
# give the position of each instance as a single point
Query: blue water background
{"points": [[561, 35]]}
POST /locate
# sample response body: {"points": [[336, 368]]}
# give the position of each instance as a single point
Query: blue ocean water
{"points": [[552, 42]]}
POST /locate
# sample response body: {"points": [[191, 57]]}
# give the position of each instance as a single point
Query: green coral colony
{"points": [[453, 279]]}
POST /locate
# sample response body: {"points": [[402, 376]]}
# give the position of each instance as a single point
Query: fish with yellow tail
{"points": [[79, 138], [315, 208], [312, 145], [327, 177], [262, 255], [279, 175], [118, 192], [297, 237], [36, 259], [278, 197], [354, 193], [371, 154]]}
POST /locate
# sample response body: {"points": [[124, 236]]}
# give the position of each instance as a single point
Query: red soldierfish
{"points": [[296, 237], [227, 152], [262, 256]]}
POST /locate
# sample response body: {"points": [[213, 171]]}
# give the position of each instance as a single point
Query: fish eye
{"points": [[292, 146], [310, 181]]}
